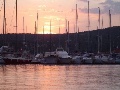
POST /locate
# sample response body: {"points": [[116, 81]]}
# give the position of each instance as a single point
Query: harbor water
{"points": [[59, 77]]}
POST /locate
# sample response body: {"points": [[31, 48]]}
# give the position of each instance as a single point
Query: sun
{"points": [[47, 30]]}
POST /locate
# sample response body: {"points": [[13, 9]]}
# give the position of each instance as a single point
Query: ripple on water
{"points": [[60, 77]]}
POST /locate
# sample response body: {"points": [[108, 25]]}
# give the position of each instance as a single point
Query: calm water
{"points": [[60, 77]]}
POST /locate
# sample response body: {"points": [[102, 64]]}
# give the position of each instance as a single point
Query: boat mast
{"points": [[35, 40], [50, 37], [88, 29], [4, 18], [37, 32], [76, 44], [66, 34], [98, 32], [68, 38], [23, 34], [16, 28], [110, 30], [59, 34], [102, 22], [43, 40], [16, 16]]}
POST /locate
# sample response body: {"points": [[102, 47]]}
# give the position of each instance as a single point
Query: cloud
{"points": [[114, 6], [107, 5], [83, 0]]}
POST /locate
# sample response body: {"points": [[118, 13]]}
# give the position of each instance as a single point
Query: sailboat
{"points": [[76, 58], [11, 57]]}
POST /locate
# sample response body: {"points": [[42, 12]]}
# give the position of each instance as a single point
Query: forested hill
{"points": [[80, 40]]}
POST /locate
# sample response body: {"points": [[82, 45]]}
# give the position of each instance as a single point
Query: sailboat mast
{"points": [[98, 32], [110, 28], [4, 18], [37, 32], [43, 39], [16, 28], [23, 25], [16, 16], [50, 37], [88, 29], [68, 38], [76, 27], [23, 33], [66, 34], [35, 40], [102, 23], [59, 33]]}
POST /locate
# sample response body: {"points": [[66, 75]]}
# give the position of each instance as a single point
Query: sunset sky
{"points": [[58, 11]]}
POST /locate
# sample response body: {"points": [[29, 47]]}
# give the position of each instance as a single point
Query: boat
{"points": [[63, 57], [17, 58], [117, 60], [88, 58], [77, 59], [104, 58], [10, 57], [49, 58], [37, 59], [97, 59], [1, 60]]}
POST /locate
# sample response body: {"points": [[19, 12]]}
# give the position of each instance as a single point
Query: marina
{"points": [[59, 45]]}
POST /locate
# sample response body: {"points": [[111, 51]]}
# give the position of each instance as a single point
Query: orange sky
{"points": [[56, 11]]}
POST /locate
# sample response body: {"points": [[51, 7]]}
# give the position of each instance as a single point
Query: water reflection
{"points": [[60, 77]]}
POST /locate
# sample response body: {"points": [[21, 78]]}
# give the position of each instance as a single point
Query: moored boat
{"points": [[63, 57], [49, 58]]}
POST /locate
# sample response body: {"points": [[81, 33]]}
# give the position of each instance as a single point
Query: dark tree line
{"points": [[29, 41]]}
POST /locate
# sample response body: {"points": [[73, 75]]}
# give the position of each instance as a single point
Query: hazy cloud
{"points": [[114, 6], [83, 0]]}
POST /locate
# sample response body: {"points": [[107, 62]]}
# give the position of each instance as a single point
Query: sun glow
{"points": [[46, 30]]}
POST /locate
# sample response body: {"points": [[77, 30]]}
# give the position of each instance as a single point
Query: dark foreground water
{"points": [[59, 77]]}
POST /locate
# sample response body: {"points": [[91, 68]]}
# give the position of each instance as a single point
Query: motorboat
{"points": [[63, 57], [117, 60], [87, 58], [77, 59], [49, 58], [37, 59], [97, 59]]}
